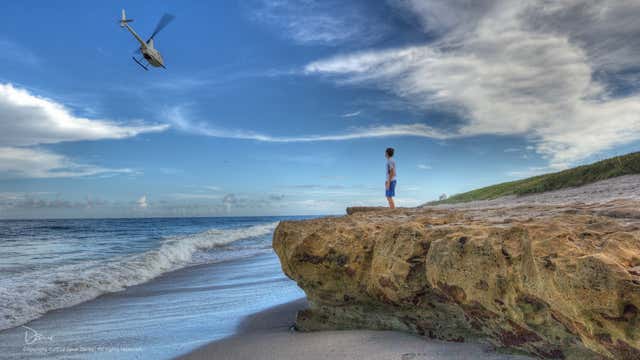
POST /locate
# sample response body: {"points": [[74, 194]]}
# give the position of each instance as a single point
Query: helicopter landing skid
{"points": [[139, 63]]}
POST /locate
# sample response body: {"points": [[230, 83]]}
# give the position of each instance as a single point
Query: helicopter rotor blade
{"points": [[164, 21]]}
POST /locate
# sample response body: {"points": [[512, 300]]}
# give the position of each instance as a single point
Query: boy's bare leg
{"points": [[392, 205]]}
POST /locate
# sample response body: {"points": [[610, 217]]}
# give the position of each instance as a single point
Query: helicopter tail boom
{"points": [[124, 23]]}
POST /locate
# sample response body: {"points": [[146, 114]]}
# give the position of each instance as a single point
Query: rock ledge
{"points": [[555, 281]]}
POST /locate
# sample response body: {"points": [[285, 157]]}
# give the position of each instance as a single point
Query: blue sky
{"points": [[272, 107]]}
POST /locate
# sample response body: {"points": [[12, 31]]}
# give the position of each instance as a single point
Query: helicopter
{"points": [[149, 53]]}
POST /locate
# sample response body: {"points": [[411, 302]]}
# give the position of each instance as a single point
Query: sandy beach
{"points": [[267, 335]]}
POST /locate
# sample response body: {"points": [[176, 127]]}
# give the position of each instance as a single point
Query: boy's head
{"points": [[389, 152]]}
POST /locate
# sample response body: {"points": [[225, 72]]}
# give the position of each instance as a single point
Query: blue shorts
{"points": [[391, 191]]}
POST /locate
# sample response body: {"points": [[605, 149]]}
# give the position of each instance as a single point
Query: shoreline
{"points": [[207, 302], [266, 335], [118, 293]]}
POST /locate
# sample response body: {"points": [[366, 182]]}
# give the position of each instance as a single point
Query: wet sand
{"points": [[267, 335]]}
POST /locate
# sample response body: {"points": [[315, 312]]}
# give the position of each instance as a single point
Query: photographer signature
{"points": [[31, 336]]}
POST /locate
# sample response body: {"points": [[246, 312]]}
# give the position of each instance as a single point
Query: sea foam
{"points": [[24, 297]]}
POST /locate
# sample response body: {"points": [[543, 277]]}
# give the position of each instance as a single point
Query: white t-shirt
{"points": [[391, 164]]}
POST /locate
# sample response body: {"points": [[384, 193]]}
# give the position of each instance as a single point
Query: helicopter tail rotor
{"points": [[124, 20]]}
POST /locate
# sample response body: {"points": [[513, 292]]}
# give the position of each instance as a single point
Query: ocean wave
{"points": [[28, 296]]}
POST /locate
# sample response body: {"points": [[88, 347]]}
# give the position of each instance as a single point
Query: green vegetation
{"points": [[581, 175]]}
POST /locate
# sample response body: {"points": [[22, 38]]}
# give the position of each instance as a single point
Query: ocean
{"points": [[133, 288]]}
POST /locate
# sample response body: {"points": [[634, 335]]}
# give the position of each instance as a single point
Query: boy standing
{"points": [[390, 183]]}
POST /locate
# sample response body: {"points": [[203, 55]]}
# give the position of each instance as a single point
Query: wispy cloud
{"points": [[316, 22], [18, 162], [513, 68], [424, 167], [14, 52], [177, 118], [27, 120], [351, 114]]}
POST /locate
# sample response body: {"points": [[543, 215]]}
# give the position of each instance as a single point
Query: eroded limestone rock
{"points": [[553, 281]]}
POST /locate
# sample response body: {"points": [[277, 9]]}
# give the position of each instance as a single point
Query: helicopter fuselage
{"points": [[152, 56]]}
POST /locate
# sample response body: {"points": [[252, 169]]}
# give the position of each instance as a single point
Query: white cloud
{"points": [[180, 121], [27, 120], [142, 202], [37, 163], [504, 75], [424, 167]]}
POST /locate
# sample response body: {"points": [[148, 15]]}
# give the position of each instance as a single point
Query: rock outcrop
{"points": [[555, 281]]}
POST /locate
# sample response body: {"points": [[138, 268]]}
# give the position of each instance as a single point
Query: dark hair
{"points": [[389, 152]]}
